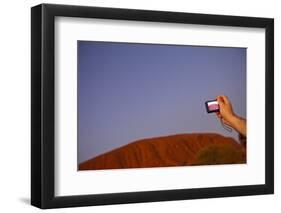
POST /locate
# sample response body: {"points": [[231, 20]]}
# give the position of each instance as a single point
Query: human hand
{"points": [[226, 112], [228, 117]]}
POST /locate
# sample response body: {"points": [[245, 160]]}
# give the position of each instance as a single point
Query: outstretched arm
{"points": [[229, 117]]}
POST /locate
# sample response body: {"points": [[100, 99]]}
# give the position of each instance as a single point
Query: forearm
{"points": [[239, 124]]}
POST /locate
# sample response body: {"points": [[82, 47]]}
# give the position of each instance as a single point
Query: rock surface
{"points": [[174, 150]]}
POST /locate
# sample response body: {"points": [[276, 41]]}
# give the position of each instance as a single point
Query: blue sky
{"points": [[129, 91]]}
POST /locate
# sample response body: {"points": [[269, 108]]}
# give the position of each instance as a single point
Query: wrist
{"points": [[235, 121], [232, 119]]}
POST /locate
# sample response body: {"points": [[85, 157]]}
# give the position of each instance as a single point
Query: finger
{"points": [[218, 115], [220, 100], [225, 99], [218, 97]]}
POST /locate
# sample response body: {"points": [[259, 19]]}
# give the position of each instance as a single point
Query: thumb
{"points": [[220, 100]]}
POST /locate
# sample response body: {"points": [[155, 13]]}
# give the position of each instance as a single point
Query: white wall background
{"points": [[15, 105]]}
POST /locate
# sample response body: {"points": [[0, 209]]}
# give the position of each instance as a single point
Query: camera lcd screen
{"points": [[212, 106]]}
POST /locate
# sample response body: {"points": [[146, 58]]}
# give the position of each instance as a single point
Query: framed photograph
{"points": [[139, 106]]}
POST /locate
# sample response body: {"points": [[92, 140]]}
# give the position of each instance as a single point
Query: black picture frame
{"points": [[43, 102]]}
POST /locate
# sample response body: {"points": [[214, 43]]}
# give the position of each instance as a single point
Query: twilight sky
{"points": [[129, 91]]}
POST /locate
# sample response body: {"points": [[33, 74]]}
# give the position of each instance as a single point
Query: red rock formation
{"points": [[174, 150]]}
